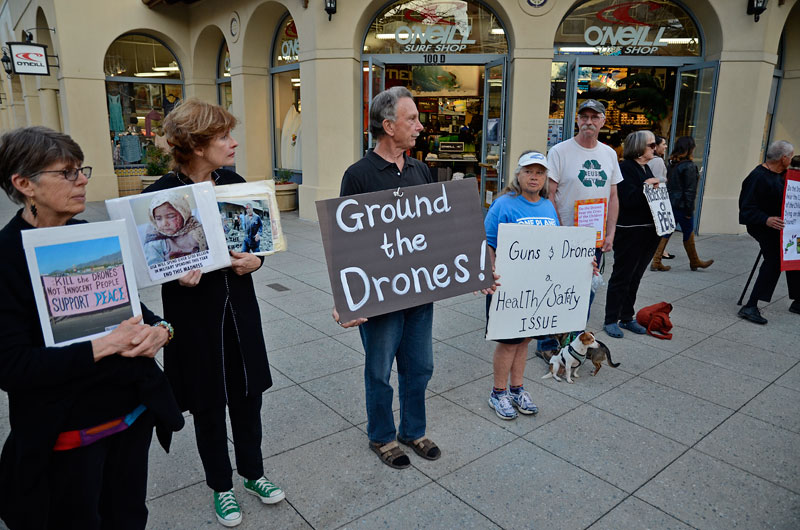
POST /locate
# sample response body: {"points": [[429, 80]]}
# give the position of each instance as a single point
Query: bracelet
{"points": [[170, 330]]}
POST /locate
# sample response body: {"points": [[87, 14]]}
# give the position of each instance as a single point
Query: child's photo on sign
{"points": [[170, 227]]}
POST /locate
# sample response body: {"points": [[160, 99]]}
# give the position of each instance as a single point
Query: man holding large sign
{"points": [[393, 246]]}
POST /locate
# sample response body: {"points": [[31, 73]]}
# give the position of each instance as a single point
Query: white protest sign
{"points": [[790, 235], [545, 275], [660, 207]]}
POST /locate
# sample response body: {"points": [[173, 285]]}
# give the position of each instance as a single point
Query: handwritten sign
{"points": [[390, 250], [660, 207], [593, 213], [75, 294], [546, 276], [790, 235]]}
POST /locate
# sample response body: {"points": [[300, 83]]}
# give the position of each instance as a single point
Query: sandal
{"points": [[391, 454], [423, 447]]}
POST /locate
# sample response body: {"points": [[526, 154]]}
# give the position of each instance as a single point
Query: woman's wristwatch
{"points": [[170, 330]]}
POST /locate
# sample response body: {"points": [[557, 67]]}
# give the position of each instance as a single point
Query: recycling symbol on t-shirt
{"points": [[592, 172]]}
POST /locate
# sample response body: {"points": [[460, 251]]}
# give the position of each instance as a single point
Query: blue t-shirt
{"points": [[509, 208]]}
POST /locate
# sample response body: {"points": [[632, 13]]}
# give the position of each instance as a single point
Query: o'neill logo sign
{"points": [[29, 58], [627, 33], [445, 28]]}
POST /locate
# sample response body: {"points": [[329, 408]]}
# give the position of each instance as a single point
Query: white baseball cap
{"points": [[533, 158]]}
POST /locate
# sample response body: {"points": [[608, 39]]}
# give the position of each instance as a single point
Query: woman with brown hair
{"points": [[219, 359]]}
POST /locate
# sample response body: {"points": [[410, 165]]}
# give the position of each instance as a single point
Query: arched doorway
{"points": [[644, 61], [452, 56]]}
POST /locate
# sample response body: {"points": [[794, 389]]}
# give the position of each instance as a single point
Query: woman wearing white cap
{"points": [[523, 201]]}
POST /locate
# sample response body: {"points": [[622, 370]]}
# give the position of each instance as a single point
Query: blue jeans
{"points": [[406, 335]]}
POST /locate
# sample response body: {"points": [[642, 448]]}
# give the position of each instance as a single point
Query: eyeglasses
{"points": [[652, 145], [592, 117], [69, 174]]}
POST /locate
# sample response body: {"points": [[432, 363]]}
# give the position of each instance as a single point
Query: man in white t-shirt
{"points": [[585, 173]]}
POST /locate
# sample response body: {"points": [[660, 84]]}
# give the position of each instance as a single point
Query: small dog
{"points": [[598, 355], [571, 357]]}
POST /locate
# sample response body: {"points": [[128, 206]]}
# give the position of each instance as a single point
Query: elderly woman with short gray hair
{"points": [[636, 238]]}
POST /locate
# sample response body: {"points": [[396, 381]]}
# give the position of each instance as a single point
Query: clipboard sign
{"points": [[594, 214], [790, 212]]}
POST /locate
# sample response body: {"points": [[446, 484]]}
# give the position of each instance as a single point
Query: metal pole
{"points": [[758, 258]]}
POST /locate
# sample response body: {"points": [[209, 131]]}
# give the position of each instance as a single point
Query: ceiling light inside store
{"points": [[497, 31], [390, 36], [150, 74], [678, 40], [166, 69], [295, 84], [366, 68], [577, 49], [295, 80]]}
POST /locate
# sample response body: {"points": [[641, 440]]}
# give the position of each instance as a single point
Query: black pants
{"points": [[633, 251], [103, 485], [212, 435], [770, 271]]}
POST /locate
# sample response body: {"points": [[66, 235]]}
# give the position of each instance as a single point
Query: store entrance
{"points": [[461, 107]]}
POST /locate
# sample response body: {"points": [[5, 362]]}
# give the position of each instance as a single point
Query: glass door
{"points": [[694, 112], [493, 138], [376, 82]]}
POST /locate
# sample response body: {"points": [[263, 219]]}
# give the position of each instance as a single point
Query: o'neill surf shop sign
{"points": [[28, 58], [614, 27]]}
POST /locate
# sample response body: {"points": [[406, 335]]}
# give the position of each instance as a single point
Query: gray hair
{"points": [[778, 149], [513, 185], [384, 107], [28, 150], [636, 143]]}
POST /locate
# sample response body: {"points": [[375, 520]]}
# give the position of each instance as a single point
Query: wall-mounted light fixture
{"points": [[756, 7], [7, 62], [330, 7]]}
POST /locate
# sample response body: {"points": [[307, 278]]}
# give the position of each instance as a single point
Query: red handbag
{"points": [[656, 319]]}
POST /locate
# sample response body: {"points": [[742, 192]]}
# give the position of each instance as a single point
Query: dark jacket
{"points": [[682, 180], [201, 316], [633, 207], [761, 197], [56, 389]]}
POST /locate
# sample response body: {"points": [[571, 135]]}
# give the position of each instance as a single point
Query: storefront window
{"points": [[224, 77], [621, 27], [435, 27], [286, 101], [143, 85]]}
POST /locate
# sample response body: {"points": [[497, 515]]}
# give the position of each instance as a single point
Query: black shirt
{"points": [[633, 207], [761, 197], [374, 173]]}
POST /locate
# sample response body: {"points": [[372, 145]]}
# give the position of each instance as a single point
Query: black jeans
{"points": [[770, 271], [103, 485], [633, 251]]}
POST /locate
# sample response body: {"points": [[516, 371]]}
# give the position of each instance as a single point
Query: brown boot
{"points": [[656, 265], [694, 260]]}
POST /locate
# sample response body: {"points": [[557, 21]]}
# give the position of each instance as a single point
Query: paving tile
{"points": [[452, 367], [268, 294], [697, 320], [270, 313], [586, 387], [352, 340], [430, 507], [319, 280], [780, 319], [791, 379], [466, 297], [744, 359], [710, 494], [682, 338], [288, 332], [565, 496], [337, 479], [669, 292], [324, 322], [303, 303], [719, 385], [633, 356], [191, 508], [767, 451], [474, 397], [448, 323], [633, 514], [775, 405], [3, 407], [764, 337], [476, 307], [475, 344], [314, 359], [690, 280], [462, 437], [669, 412], [616, 450]]}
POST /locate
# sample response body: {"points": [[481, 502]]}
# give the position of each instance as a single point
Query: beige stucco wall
{"points": [[330, 69]]}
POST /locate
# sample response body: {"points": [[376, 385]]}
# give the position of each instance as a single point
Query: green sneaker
{"points": [[265, 490], [226, 508]]}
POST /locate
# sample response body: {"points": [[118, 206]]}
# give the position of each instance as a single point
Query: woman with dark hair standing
{"points": [[636, 238], [219, 360], [682, 178], [81, 415]]}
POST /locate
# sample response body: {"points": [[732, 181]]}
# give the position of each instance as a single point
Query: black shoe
{"points": [[752, 314], [795, 307]]}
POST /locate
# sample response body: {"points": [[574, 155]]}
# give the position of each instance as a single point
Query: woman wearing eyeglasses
{"points": [[636, 238], [81, 415]]}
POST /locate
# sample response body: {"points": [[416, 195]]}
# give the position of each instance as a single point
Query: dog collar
{"points": [[578, 357]]}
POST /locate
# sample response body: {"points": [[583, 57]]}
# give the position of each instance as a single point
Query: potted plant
{"points": [[285, 191], [156, 163]]}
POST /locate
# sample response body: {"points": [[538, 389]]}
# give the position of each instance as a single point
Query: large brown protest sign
{"points": [[391, 250]]}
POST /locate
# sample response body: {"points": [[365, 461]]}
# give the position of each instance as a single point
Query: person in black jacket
{"points": [[760, 204], [636, 238], [219, 358], [81, 415], [682, 179]]}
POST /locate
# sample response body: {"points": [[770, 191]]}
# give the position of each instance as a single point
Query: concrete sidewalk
{"points": [[702, 431]]}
